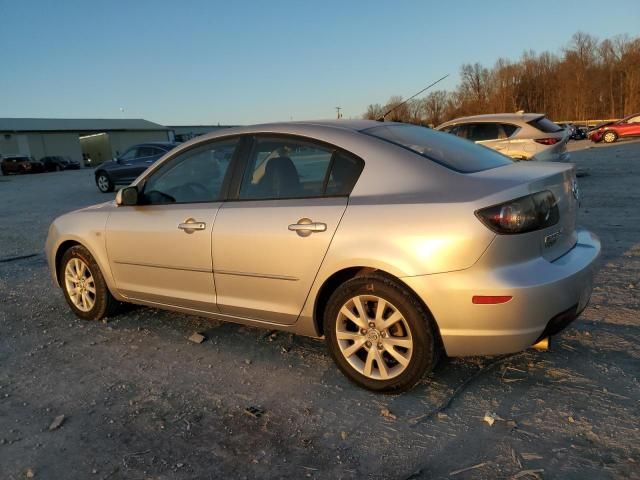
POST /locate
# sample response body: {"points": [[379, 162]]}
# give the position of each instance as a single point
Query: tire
{"points": [[4, 172], [99, 303], [104, 183], [58, 168], [362, 349], [609, 137]]}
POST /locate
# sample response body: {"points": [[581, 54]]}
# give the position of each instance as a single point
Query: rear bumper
{"points": [[549, 156], [547, 296]]}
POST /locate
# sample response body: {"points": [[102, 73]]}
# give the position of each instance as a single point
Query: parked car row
{"points": [[26, 164], [575, 132]]}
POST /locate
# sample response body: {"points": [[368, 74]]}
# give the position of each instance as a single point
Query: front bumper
{"points": [[541, 291], [594, 136]]}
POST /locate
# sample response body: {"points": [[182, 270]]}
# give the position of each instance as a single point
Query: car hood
{"points": [[605, 124], [108, 165]]}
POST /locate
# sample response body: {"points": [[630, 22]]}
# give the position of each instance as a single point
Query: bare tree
{"points": [[434, 107], [587, 80], [374, 112]]}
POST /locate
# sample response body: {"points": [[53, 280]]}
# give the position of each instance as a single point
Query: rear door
{"points": [[269, 242]]}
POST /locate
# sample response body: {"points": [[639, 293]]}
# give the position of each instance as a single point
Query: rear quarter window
{"points": [[448, 150], [509, 129]]}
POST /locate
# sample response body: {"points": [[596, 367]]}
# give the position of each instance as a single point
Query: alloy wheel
{"points": [[80, 284], [374, 337], [103, 183]]}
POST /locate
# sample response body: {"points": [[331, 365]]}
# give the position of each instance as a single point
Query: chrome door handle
{"points": [[306, 227], [190, 225]]}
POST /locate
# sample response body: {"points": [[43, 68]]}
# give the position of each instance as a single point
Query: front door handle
{"points": [[190, 225], [306, 227]]}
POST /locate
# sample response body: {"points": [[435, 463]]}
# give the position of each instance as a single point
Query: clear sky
{"points": [[239, 62]]}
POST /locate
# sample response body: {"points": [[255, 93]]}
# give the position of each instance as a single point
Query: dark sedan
{"points": [[55, 163], [128, 166]]}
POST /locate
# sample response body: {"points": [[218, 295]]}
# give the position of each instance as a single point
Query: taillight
{"points": [[524, 214], [547, 141]]}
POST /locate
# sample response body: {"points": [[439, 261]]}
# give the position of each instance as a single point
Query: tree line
{"points": [[588, 79]]}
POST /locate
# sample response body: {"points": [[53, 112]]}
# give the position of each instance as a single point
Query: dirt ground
{"points": [[140, 401]]}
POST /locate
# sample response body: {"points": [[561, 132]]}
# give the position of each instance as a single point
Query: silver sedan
{"points": [[395, 243]]}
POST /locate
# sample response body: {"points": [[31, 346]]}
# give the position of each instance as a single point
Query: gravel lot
{"points": [[140, 401]]}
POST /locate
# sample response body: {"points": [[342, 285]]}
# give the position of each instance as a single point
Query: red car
{"points": [[20, 164], [610, 132]]}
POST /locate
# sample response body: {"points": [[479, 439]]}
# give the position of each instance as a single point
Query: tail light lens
{"points": [[524, 214], [547, 141]]}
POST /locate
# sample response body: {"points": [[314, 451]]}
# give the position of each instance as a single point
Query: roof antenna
{"points": [[381, 119]]}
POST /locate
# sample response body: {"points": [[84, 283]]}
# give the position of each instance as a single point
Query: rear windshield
{"points": [[545, 125], [449, 150]]}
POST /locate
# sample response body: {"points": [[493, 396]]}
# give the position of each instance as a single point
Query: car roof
{"points": [[495, 117], [158, 144]]}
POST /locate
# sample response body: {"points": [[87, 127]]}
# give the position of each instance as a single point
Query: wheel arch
{"points": [[104, 268], [99, 172], [60, 251], [338, 278]]}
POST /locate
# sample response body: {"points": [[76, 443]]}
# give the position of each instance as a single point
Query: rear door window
{"points": [[479, 132], [287, 167]]}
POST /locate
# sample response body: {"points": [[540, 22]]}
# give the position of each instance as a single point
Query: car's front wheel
{"points": [[609, 137], [105, 185], [84, 286], [379, 334]]}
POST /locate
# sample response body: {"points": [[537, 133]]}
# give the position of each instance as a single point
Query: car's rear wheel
{"points": [[105, 185], [83, 285], [609, 137], [379, 334], [4, 172]]}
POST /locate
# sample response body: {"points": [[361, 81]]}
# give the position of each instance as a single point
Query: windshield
{"points": [[448, 150]]}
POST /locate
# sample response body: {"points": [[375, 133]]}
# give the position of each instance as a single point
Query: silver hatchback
{"points": [[521, 136], [393, 242]]}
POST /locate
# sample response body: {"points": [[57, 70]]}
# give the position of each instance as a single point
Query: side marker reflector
{"points": [[490, 299]]}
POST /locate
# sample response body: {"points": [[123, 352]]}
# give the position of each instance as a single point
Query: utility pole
{"points": [[339, 114]]}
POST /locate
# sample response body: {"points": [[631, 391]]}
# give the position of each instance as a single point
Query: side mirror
{"points": [[127, 196]]}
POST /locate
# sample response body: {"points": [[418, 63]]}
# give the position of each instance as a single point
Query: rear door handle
{"points": [[306, 227], [190, 225]]}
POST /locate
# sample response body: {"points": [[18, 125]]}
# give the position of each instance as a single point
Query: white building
{"points": [[100, 139]]}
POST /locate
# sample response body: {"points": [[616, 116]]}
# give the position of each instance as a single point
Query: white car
{"points": [[521, 136]]}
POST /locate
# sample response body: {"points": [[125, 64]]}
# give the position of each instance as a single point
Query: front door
{"points": [[160, 250], [269, 244]]}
